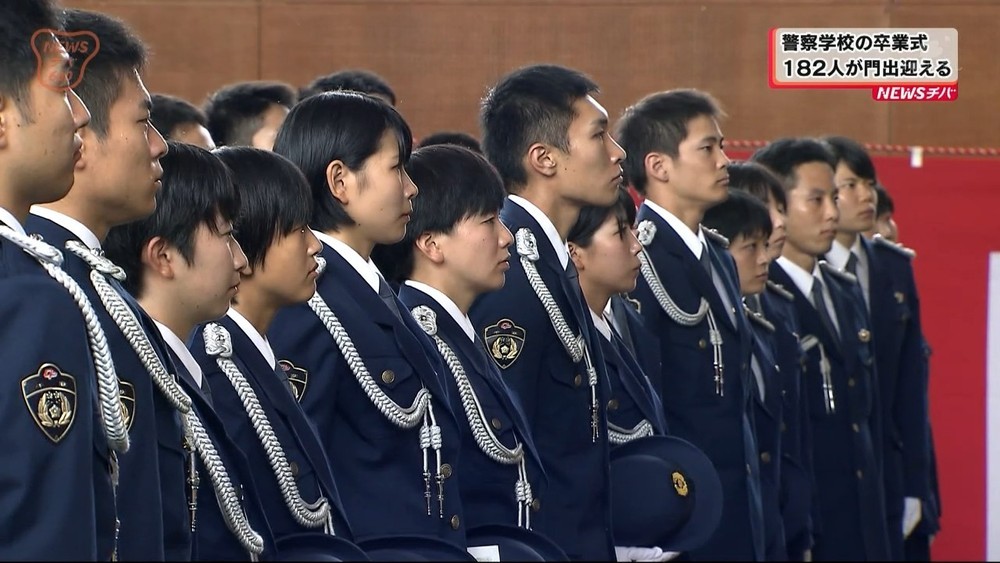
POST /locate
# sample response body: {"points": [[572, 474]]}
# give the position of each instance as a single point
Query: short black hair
{"points": [[355, 80], [757, 181], [533, 104], [851, 153], [451, 138], [740, 214], [274, 198], [455, 184], [196, 189], [344, 126], [884, 204], [592, 217], [784, 156], [19, 63], [120, 53], [659, 123], [235, 112], [171, 111]]}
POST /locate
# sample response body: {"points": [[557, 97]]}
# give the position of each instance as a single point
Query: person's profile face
{"points": [[698, 173], [611, 260], [856, 200], [590, 169], [752, 257], [811, 215]]}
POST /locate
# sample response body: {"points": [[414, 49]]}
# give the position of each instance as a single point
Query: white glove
{"points": [[643, 554], [911, 515]]}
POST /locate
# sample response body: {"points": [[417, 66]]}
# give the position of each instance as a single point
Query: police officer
{"points": [[839, 384], [537, 328], [688, 296], [61, 413]]}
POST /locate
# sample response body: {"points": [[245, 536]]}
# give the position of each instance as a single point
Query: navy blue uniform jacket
{"points": [[555, 395], [56, 488], [378, 466], [303, 451], [152, 502], [488, 495], [721, 426], [850, 502]]}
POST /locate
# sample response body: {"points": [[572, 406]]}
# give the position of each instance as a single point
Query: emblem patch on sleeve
{"points": [[504, 341], [50, 396], [298, 378], [127, 395]]}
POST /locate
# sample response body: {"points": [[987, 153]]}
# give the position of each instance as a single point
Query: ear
{"points": [[336, 175], [541, 160], [5, 105], [89, 140], [429, 245], [159, 257], [576, 255], [658, 166]]}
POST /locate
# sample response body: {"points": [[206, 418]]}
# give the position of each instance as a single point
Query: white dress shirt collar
{"points": [[7, 218], [602, 324], [179, 348], [694, 241], [447, 304], [366, 269], [548, 228], [263, 346], [801, 278]]}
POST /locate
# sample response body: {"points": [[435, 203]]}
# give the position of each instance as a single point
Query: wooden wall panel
{"points": [[441, 55]]}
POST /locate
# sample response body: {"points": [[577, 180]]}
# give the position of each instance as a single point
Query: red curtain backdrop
{"points": [[947, 212]]}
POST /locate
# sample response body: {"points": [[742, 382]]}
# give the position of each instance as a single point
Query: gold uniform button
{"points": [[294, 468], [860, 474], [455, 522], [850, 382], [864, 335], [855, 427], [899, 297], [578, 380], [765, 457], [445, 470], [495, 423], [748, 470], [613, 405], [702, 344], [388, 376], [536, 505]]}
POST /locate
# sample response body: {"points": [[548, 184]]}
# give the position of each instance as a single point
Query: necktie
{"points": [[819, 301], [388, 297], [852, 264]]}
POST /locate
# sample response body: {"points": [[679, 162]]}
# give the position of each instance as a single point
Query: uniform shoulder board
{"points": [[759, 319], [714, 236], [780, 290], [844, 276], [879, 240]]}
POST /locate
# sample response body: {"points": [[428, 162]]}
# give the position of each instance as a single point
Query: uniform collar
{"points": [[447, 304], [78, 229], [547, 227], [839, 255], [179, 348], [263, 346], [7, 218], [801, 278], [367, 270], [694, 241]]}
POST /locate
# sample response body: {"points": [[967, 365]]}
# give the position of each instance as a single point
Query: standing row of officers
{"points": [[345, 349]]}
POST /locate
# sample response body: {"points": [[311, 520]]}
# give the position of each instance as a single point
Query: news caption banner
{"points": [[897, 64]]}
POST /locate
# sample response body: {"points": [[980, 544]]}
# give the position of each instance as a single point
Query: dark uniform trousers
{"points": [[720, 424], [488, 493], [305, 455], [377, 465], [849, 515], [554, 392], [152, 502], [57, 493], [796, 445]]}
